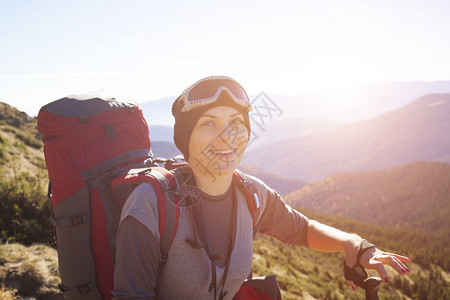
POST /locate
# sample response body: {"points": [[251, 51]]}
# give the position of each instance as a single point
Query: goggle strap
{"points": [[199, 102]]}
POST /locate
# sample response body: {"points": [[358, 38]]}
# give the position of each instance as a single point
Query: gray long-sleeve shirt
{"points": [[187, 273]]}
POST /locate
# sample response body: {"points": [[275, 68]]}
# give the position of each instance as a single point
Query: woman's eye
{"points": [[238, 121], [208, 124]]}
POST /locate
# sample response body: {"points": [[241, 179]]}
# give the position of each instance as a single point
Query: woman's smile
{"points": [[225, 155]]}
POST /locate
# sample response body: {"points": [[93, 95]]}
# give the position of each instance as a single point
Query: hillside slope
{"points": [[301, 272], [416, 132], [282, 185], [277, 130], [32, 271], [20, 144], [412, 196]]}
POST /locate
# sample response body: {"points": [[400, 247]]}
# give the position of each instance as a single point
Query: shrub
{"points": [[29, 141], [39, 162], [24, 211], [3, 154]]}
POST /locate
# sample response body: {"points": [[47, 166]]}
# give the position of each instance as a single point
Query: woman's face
{"points": [[218, 141]]}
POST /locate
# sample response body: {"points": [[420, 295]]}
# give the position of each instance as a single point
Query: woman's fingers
{"points": [[376, 260], [393, 260], [354, 286], [399, 257], [400, 267], [378, 266]]}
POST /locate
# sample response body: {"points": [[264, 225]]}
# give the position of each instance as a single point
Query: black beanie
{"points": [[185, 121]]}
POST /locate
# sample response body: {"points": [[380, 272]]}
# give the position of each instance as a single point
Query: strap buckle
{"points": [[81, 290]]}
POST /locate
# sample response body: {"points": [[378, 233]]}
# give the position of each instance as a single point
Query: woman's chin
{"points": [[223, 168], [217, 165]]}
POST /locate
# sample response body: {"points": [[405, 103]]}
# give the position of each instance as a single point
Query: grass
{"points": [[20, 150], [3, 154], [7, 128], [8, 293], [21, 147], [32, 271], [29, 141], [303, 273], [39, 162]]}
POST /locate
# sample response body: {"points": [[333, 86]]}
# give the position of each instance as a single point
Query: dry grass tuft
{"points": [[8, 293], [29, 272]]}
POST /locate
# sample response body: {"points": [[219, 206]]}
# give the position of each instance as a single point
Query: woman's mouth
{"points": [[224, 154]]}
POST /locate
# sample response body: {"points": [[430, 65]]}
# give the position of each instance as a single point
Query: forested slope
{"points": [[416, 196]]}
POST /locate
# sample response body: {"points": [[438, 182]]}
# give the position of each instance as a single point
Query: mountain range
{"points": [[367, 101], [406, 200], [358, 102], [161, 133], [415, 132], [414, 196]]}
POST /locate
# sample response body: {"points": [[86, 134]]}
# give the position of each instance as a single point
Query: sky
{"points": [[146, 50]]}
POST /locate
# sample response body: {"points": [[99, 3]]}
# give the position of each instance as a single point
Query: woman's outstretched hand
{"points": [[329, 239], [375, 259]]}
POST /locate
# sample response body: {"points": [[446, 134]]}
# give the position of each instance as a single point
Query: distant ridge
{"points": [[368, 100], [164, 149], [416, 195], [161, 133], [158, 112], [282, 185], [415, 132]]}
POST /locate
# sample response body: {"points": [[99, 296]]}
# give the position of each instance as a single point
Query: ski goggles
{"points": [[208, 90]]}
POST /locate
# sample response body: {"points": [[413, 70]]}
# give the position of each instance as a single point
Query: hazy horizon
{"points": [[149, 50]]}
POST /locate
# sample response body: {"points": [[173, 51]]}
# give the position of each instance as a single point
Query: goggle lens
{"points": [[208, 90]]}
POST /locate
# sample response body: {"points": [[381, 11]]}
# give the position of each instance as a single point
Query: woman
{"points": [[211, 255]]}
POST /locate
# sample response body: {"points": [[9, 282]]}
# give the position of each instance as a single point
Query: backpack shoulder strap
{"points": [[161, 179], [169, 212], [251, 194]]}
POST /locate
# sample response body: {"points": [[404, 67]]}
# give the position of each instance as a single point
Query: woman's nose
{"points": [[224, 134], [229, 133]]}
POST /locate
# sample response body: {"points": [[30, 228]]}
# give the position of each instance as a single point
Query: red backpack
{"points": [[97, 151]]}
